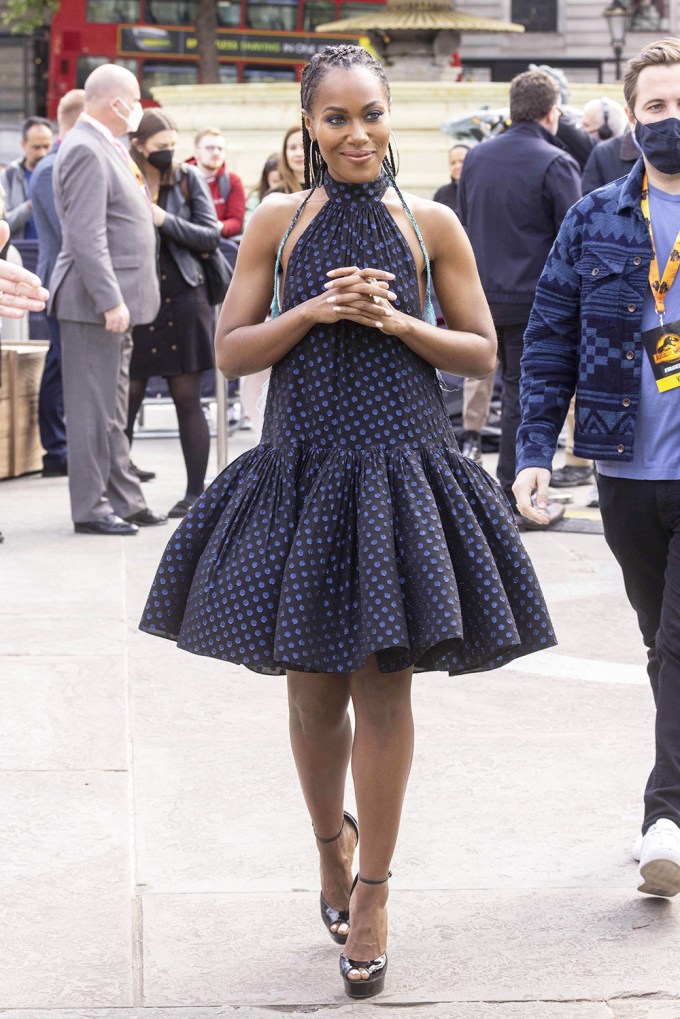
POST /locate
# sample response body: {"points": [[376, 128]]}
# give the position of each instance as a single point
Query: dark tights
{"points": [[194, 434]]}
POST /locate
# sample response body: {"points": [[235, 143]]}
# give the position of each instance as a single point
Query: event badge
{"points": [[663, 343], [662, 346]]}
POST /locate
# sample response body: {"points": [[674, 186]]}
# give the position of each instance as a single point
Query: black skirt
{"points": [[180, 339]]}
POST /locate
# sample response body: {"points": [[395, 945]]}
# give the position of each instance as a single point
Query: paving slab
{"points": [[65, 911], [490, 946], [360, 1010], [62, 712], [646, 1009]]}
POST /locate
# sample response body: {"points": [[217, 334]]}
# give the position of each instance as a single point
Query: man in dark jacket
{"points": [[610, 160], [515, 191]]}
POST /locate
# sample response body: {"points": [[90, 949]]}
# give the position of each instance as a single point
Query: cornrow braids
{"points": [[328, 59]]}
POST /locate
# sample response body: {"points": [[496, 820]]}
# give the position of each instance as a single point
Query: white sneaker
{"points": [[660, 859], [637, 848]]}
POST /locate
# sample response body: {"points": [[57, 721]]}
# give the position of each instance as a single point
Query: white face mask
{"points": [[133, 116]]}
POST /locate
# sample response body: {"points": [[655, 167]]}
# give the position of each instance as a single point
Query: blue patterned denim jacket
{"points": [[584, 333]]}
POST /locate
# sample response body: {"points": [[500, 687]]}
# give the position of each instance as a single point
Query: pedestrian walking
{"points": [[606, 324], [178, 344], [354, 545]]}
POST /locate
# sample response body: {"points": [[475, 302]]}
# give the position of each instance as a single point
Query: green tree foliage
{"points": [[23, 16]]}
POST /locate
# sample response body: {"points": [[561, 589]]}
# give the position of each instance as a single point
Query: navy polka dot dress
{"points": [[356, 526]]}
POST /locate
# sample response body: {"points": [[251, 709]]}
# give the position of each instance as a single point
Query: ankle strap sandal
{"points": [[368, 977], [334, 919]]}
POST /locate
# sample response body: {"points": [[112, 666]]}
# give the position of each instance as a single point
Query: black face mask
{"points": [[660, 143], [161, 160]]}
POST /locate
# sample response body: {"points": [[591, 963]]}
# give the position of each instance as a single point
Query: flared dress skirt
{"points": [[355, 527]]}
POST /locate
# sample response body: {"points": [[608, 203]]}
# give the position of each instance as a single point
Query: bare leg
{"points": [[381, 762], [321, 739]]}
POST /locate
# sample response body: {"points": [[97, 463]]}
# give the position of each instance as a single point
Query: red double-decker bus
{"points": [[257, 40]]}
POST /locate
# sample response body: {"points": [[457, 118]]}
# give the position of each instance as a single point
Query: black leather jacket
{"points": [[191, 227]]}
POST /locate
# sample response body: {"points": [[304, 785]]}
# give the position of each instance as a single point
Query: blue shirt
{"points": [[656, 455]]}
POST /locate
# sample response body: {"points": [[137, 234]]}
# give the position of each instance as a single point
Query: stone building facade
{"points": [[571, 34]]}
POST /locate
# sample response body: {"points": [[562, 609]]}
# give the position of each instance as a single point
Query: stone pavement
{"points": [[156, 859]]}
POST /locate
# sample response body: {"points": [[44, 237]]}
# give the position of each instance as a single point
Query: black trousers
{"points": [[510, 346], [642, 527], [51, 402]]}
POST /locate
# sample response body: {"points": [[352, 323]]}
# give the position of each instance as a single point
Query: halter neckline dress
{"points": [[355, 527]]}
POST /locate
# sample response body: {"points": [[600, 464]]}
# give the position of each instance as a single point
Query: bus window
{"points": [[317, 12], [228, 73], [86, 65], [350, 10], [265, 73], [273, 17], [228, 13], [111, 12], [171, 12], [155, 74]]}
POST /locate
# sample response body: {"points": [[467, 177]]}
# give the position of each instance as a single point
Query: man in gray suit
{"points": [[103, 283]]}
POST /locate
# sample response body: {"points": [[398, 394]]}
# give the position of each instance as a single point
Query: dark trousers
{"points": [[642, 527], [510, 346], [51, 402]]}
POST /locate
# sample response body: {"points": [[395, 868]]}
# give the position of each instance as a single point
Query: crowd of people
{"points": [[512, 193], [356, 545], [142, 207]]}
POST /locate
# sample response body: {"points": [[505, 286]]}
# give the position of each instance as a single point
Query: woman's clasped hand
{"points": [[362, 296]]}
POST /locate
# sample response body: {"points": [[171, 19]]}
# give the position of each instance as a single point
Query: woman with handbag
{"points": [[178, 345]]}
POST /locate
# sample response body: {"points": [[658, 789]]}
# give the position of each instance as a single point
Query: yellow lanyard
{"points": [[660, 286]]}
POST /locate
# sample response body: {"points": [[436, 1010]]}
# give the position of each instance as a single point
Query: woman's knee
{"points": [[316, 704], [382, 699]]}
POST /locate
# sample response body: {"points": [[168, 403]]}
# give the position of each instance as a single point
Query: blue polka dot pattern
{"points": [[355, 527]]}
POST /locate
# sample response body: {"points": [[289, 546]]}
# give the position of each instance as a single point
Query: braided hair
{"points": [[328, 59]]}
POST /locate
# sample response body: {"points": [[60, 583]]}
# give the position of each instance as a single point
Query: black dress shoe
{"points": [[140, 474], [55, 471], [110, 524], [570, 475], [471, 446], [147, 518]]}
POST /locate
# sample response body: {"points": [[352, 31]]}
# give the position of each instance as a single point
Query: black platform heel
{"points": [[330, 916], [374, 982]]}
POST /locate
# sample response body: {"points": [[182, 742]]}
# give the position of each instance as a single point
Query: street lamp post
{"points": [[617, 14]]}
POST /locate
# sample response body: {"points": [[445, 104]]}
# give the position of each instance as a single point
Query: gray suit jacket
{"points": [[108, 253]]}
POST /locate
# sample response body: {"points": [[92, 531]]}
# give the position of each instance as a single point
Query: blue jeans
{"points": [[51, 403], [642, 528]]}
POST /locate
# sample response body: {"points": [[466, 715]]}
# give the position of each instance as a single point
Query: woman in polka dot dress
{"points": [[354, 545]]}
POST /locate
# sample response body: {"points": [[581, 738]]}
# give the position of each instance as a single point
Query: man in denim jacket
{"points": [[606, 323]]}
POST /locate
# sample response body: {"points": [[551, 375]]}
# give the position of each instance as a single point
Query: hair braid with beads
{"points": [[328, 59]]}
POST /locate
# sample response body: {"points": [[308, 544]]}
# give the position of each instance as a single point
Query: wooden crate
{"points": [[20, 449]]}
